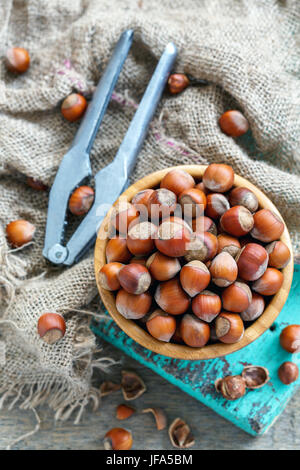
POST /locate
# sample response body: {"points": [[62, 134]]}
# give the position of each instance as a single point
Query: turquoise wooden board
{"points": [[258, 409]]}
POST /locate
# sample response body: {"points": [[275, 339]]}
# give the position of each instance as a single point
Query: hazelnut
{"points": [[218, 177], [269, 283], [194, 277], [236, 297], [237, 221], [51, 327], [180, 434], [268, 227], [161, 203], [162, 267], [108, 276], [243, 197], [233, 123], [202, 188], [255, 309], [140, 240], [134, 278], [192, 201], [123, 215], [161, 325], [81, 200], [255, 376], [36, 184], [206, 305], [17, 59], [279, 254], [201, 247], [116, 250], [139, 260], [142, 198], [132, 306], [172, 238], [229, 244], [252, 261], [177, 82], [132, 385], [177, 181], [118, 439], [124, 412], [73, 107], [176, 338], [288, 372], [204, 224], [171, 298], [232, 387], [194, 332], [290, 338], [216, 205], [159, 416], [223, 269], [229, 327], [20, 232]]}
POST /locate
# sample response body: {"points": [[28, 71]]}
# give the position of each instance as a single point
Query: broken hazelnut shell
{"points": [[180, 434], [159, 416], [132, 385], [232, 387], [255, 376], [124, 412], [118, 439]]}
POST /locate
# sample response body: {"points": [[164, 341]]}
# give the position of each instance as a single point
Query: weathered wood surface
{"points": [[210, 430]]}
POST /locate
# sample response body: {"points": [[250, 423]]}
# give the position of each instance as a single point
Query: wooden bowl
{"points": [[177, 351]]}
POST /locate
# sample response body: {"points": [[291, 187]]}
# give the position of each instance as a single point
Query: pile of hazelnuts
{"points": [[192, 261]]}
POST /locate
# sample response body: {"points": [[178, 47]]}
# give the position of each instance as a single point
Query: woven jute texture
{"points": [[246, 49]]}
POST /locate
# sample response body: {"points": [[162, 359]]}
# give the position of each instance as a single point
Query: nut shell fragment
{"points": [[255, 376], [132, 385], [180, 434], [159, 415], [106, 388]]}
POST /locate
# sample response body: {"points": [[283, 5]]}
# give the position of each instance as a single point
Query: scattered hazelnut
{"points": [[192, 201], [194, 277], [132, 306], [116, 250], [142, 198], [172, 238], [108, 276], [177, 181], [194, 332], [73, 107], [288, 372], [162, 267], [233, 123], [180, 434], [124, 412], [290, 338], [232, 387], [161, 325], [51, 327], [216, 205], [206, 306], [236, 297], [229, 244], [269, 283], [223, 269], [159, 416], [123, 215], [279, 254], [118, 439], [229, 327], [132, 385], [177, 82], [140, 240], [255, 309], [243, 197], [20, 232], [81, 200], [17, 59], [255, 376], [201, 247], [218, 177], [237, 221], [252, 261], [171, 298], [161, 203], [204, 224], [268, 227]]}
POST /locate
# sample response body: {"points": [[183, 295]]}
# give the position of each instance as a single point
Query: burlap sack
{"points": [[247, 49]]}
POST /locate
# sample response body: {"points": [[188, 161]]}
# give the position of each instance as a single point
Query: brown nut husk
{"points": [[232, 387], [132, 385], [217, 384], [106, 388], [180, 434], [159, 415], [255, 376]]}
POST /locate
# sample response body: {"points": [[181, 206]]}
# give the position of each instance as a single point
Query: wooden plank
{"points": [[256, 411]]}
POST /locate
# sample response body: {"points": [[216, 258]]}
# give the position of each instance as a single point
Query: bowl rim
{"points": [[178, 351]]}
